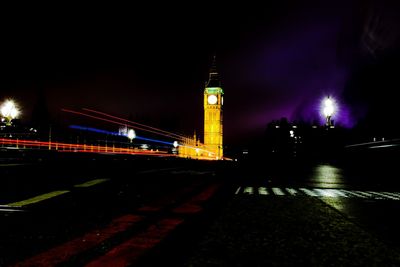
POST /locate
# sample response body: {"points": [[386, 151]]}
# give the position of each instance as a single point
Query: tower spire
{"points": [[213, 79]]}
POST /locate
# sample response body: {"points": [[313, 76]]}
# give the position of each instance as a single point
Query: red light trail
{"points": [[123, 122], [82, 148], [116, 120]]}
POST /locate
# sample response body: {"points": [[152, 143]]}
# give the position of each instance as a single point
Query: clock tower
{"points": [[213, 101]]}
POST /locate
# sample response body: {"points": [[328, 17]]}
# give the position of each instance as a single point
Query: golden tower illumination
{"points": [[213, 101]]}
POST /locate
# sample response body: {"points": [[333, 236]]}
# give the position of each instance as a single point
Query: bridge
{"points": [[112, 142], [383, 144]]}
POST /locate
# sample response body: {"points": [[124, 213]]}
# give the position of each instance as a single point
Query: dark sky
{"points": [[151, 61]]}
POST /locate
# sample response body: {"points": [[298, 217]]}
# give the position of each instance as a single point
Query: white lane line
{"points": [[309, 192], [353, 194], [277, 191], [91, 183], [262, 191], [238, 190], [313, 192], [291, 191], [10, 210], [248, 190], [392, 194], [364, 194], [324, 192], [383, 195], [338, 192], [396, 194]]}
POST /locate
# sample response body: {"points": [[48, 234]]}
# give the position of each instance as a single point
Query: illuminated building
{"points": [[190, 148], [213, 102]]}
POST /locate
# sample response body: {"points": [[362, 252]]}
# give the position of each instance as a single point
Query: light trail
{"points": [[116, 122], [82, 148], [132, 122], [163, 133], [91, 129], [118, 134]]}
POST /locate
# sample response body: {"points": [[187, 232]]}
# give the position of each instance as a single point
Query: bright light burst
{"points": [[9, 110], [131, 134], [328, 107]]}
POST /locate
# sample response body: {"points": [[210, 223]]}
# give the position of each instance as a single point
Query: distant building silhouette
{"points": [[299, 140]]}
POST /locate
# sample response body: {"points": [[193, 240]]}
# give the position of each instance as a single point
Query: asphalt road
{"points": [[134, 211], [366, 194], [72, 211]]}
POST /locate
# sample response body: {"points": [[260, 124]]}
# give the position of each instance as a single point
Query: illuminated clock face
{"points": [[212, 99]]}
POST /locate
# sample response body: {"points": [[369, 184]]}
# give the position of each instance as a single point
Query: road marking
{"points": [[291, 191], [248, 190], [321, 192], [37, 199], [278, 191], [383, 195], [66, 251], [353, 193], [338, 192], [324, 193], [309, 192], [392, 194], [10, 210], [238, 190], [364, 194], [262, 191], [91, 183], [129, 252]]}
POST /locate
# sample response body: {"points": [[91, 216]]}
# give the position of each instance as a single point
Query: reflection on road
{"points": [[326, 176]]}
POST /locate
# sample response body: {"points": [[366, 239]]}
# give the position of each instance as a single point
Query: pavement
{"points": [[287, 231], [226, 229]]}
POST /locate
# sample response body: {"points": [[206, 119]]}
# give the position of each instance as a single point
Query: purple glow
{"points": [[287, 74], [310, 111]]}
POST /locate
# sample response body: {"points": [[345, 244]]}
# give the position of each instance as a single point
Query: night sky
{"points": [[151, 61]]}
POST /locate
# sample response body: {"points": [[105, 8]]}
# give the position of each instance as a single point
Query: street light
{"points": [[131, 134], [328, 109], [9, 111]]}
